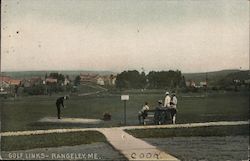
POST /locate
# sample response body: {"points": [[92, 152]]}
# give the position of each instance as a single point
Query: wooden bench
{"points": [[150, 116]]}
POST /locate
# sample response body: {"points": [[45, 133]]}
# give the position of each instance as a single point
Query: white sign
{"points": [[124, 97]]}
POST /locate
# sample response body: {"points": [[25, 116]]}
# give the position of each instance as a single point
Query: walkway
{"points": [[101, 89], [190, 125], [132, 148]]}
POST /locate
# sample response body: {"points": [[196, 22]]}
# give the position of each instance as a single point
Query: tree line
{"points": [[133, 79]]}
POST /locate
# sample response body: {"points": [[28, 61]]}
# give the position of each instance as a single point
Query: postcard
{"points": [[124, 80]]}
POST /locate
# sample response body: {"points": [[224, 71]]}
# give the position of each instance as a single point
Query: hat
{"points": [[167, 93], [160, 101]]}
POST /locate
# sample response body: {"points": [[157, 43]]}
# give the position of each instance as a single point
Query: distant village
{"points": [[98, 79], [50, 84], [193, 84]]}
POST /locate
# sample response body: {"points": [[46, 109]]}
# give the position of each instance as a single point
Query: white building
{"points": [[66, 81], [100, 81]]}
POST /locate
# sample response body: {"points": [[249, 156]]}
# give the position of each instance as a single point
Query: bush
{"points": [[35, 90]]}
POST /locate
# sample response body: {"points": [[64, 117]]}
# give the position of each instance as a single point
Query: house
{"points": [[106, 80], [10, 81], [8, 84], [89, 77], [50, 80], [5, 78], [100, 81], [203, 84], [191, 83], [15, 82], [4, 84], [113, 79], [66, 81]]}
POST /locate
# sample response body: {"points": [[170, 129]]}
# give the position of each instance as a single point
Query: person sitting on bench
{"points": [[142, 113]]}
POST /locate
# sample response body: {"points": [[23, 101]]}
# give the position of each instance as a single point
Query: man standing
{"points": [[167, 100], [59, 103], [173, 109], [159, 114], [166, 106]]}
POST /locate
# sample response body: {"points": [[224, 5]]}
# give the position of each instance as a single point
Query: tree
{"points": [[59, 77], [131, 80], [35, 90], [164, 79]]}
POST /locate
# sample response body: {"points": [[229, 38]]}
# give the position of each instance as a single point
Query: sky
{"points": [[117, 35]]}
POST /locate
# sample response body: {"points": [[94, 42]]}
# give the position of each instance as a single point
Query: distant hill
{"points": [[216, 76], [29, 74], [241, 75]]}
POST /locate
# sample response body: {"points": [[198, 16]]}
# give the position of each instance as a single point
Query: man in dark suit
{"points": [[59, 103]]}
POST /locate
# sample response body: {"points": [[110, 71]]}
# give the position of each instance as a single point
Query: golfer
{"points": [[59, 103]]}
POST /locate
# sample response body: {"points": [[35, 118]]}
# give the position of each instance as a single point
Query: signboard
{"points": [[124, 97]]}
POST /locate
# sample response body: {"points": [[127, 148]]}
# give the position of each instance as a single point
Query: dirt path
{"points": [[101, 89], [133, 148], [96, 87]]}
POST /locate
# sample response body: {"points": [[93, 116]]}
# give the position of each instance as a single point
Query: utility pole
{"points": [[125, 112]]}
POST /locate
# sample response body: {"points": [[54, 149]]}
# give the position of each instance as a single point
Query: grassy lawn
{"points": [[11, 143], [187, 132], [204, 148], [87, 88], [24, 112]]}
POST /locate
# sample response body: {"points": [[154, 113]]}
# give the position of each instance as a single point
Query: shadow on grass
{"points": [[54, 125]]}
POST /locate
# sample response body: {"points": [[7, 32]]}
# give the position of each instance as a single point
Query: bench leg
{"points": [[139, 118], [174, 118]]}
